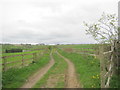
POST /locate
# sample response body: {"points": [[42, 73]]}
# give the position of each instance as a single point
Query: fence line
{"points": [[109, 60], [106, 69], [107, 52], [108, 63], [22, 61]]}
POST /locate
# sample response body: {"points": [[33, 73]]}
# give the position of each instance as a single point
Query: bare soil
{"points": [[52, 81], [70, 78], [39, 74]]}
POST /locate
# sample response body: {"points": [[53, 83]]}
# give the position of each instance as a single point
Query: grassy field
{"points": [[87, 68], [14, 78], [55, 77], [18, 53], [18, 59], [78, 46], [24, 47]]}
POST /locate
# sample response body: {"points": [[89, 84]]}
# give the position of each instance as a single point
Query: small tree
{"points": [[105, 30]]}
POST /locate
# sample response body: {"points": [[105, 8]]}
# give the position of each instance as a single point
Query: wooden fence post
{"points": [[118, 57], [108, 64], [38, 55], [118, 46], [102, 66], [34, 57], [4, 63], [22, 60]]}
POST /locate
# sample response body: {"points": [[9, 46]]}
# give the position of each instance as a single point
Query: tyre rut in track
{"points": [[38, 75], [71, 78]]}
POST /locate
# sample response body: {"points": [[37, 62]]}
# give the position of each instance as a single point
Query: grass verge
{"points": [[115, 82], [15, 78], [87, 69]]}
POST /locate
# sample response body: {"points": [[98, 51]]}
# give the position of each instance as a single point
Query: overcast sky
{"points": [[51, 21]]}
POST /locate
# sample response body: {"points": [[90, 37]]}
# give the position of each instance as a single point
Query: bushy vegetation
{"points": [[13, 50]]}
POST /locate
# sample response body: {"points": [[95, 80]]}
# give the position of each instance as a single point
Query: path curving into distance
{"points": [[38, 75], [71, 78]]}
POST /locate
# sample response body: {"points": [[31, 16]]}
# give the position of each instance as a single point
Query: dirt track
{"points": [[38, 75], [71, 79]]}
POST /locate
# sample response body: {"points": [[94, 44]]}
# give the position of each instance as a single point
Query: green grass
{"points": [[15, 78], [19, 53], [87, 68], [115, 81], [88, 51], [19, 58], [57, 70], [78, 46], [24, 47]]}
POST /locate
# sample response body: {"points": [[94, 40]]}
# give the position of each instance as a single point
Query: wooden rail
{"points": [[22, 61]]}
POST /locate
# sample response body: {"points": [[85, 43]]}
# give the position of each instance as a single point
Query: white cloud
{"points": [[51, 21]]}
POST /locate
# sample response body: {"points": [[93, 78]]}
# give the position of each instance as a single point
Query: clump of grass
{"points": [[15, 78], [115, 82], [86, 67]]}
